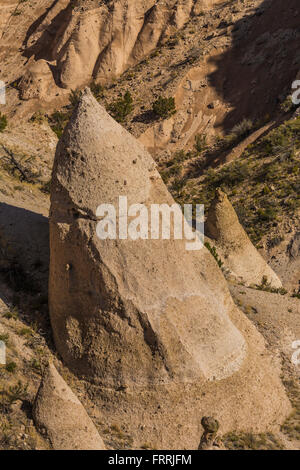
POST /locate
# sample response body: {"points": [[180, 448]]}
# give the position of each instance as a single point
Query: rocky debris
{"points": [[126, 317], [60, 416], [234, 246]]}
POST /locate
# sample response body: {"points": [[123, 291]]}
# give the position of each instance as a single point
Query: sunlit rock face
{"points": [[151, 325], [234, 245]]}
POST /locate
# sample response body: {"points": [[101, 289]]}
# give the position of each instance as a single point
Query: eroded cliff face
{"points": [[88, 40]]}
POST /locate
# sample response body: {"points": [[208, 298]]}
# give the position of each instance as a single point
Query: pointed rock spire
{"points": [[234, 245], [127, 311], [60, 415], [146, 317]]}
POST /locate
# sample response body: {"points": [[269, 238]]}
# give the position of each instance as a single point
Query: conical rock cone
{"points": [[151, 324], [234, 245], [59, 413]]}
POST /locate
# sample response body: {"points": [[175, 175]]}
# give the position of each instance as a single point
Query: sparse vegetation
{"points": [[164, 107], [267, 287], [213, 251], [250, 441], [287, 105], [121, 108], [3, 122], [58, 121], [12, 395], [200, 143], [11, 367], [97, 90], [4, 337], [263, 184], [243, 129], [75, 96]]}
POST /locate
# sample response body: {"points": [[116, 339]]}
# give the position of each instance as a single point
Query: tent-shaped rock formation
{"points": [[234, 245], [150, 324], [60, 415]]}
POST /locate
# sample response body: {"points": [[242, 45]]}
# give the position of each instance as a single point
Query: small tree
{"points": [[97, 90], [200, 142], [121, 108], [3, 122], [164, 107], [75, 96]]}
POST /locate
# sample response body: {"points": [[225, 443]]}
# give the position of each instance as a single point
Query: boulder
{"points": [[127, 312]]}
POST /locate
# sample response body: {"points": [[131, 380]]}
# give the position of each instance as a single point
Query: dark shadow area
{"points": [[27, 408], [38, 22], [24, 264], [146, 117], [257, 72], [213, 158], [24, 243], [46, 44]]}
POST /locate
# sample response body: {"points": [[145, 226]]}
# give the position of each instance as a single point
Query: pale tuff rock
{"points": [[59, 414], [145, 316], [234, 246], [37, 82], [100, 40], [125, 298]]}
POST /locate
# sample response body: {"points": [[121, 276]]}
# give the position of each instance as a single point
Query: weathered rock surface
{"points": [[100, 40], [59, 414], [128, 297], [37, 82], [146, 317], [234, 245]]}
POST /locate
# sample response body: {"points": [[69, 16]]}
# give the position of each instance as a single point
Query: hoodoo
{"points": [[161, 339], [61, 416], [234, 245]]}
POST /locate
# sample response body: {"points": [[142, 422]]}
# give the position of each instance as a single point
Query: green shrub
{"points": [[74, 97], [4, 338], [200, 143], [3, 122], [164, 107], [267, 287], [9, 397], [97, 90], [287, 105], [121, 108], [11, 367], [58, 121], [242, 129]]}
